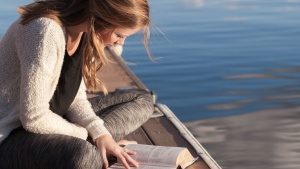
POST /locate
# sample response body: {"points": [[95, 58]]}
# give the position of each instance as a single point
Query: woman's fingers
{"points": [[107, 145], [104, 157], [130, 159], [124, 162], [130, 152], [125, 159], [125, 142]]}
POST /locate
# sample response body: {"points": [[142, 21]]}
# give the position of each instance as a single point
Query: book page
{"points": [[155, 155]]}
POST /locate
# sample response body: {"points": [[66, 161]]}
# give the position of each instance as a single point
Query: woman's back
{"points": [[19, 48]]}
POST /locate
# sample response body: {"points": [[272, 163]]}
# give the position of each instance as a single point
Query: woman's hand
{"points": [[107, 145], [125, 142]]}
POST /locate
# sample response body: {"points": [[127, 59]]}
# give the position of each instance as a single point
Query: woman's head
{"points": [[117, 19], [107, 15], [105, 19], [111, 21]]}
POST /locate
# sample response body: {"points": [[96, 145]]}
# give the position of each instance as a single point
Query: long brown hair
{"points": [[100, 15]]}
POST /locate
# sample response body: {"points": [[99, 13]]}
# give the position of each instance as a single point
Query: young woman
{"points": [[49, 58]]}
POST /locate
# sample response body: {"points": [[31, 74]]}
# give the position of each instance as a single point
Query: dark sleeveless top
{"points": [[69, 81]]}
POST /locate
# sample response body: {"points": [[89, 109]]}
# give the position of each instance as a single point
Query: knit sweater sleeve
{"points": [[81, 112], [41, 47]]}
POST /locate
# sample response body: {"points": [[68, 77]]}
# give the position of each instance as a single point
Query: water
{"points": [[219, 52], [229, 69]]}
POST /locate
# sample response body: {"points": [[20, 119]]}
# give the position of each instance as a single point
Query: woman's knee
{"points": [[133, 100], [140, 98], [145, 103], [33, 151]]}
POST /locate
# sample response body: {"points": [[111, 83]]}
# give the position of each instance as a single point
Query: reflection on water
{"points": [[287, 95], [267, 138], [264, 139], [193, 3]]}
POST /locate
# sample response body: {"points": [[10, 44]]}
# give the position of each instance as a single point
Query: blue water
{"points": [[209, 48], [229, 69]]}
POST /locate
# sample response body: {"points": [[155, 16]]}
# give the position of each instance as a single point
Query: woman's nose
{"points": [[120, 41]]}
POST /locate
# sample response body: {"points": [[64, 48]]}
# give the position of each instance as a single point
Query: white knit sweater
{"points": [[31, 58]]}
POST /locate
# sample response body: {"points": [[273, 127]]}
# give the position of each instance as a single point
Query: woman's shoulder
{"points": [[43, 23], [43, 27], [38, 25]]}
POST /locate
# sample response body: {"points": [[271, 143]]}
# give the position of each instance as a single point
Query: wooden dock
{"points": [[163, 128]]}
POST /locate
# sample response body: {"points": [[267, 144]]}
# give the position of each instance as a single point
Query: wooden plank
{"points": [[139, 136], [118, 74], [126, 69], [114, 77], [162, 132]]}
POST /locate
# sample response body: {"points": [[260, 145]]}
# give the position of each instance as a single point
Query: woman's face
{"points": [[118, 36]]}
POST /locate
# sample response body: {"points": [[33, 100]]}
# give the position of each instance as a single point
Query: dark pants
{"points": [[122, 112]]}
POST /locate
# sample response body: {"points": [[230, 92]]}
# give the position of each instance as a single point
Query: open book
{"points": [[159, 157]]}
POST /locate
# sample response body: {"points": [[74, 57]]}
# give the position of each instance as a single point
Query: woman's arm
{"points": [[41, 47], [81, 112]]}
